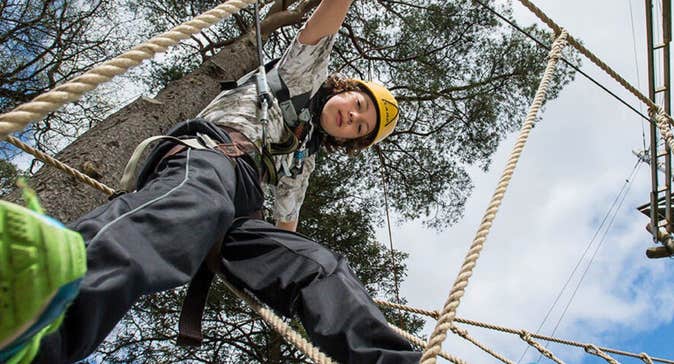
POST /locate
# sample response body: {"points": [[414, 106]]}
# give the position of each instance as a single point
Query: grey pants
{"points": [[156, 238]]}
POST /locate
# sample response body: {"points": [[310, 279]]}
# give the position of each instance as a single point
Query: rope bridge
{"points": [[73, 90]]}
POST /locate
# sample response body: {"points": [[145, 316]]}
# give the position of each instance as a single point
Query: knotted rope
{"points": [[434, 314], [464, 334], [60, 165], [661, 119], [449, 310], [591, 349], [526, 336], [587, 53], [418, 342]]}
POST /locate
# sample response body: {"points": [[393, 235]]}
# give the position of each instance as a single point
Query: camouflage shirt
{"points": [[303, 68]]}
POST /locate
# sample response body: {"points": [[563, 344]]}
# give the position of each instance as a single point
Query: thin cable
{"points": [[601, 242], [543, 45], [636, 67], [580, 260], [390, 234]]}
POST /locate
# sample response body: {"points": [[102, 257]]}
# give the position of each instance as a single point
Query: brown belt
{"points": [[240, 146]]}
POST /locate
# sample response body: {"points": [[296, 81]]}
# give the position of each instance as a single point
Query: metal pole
{"points": [[666, 39], [653, 131]]}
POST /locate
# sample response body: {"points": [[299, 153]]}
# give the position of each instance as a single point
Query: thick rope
{"points": [[73, 90], [591, 349], [464, 334], [449, 310], [277, 323], [60, 165], [419, 342], [647, 359], [587, 53], [434, 314], [526, 336], [661, 119]]}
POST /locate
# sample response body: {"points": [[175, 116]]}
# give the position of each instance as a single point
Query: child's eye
{"points": [[358, 103], [360, 129]]}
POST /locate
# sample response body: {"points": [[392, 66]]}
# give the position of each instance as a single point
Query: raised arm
{"points": [[326, 20]]}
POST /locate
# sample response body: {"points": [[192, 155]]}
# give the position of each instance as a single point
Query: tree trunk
{"points": [[275, 348], [109, 144]]}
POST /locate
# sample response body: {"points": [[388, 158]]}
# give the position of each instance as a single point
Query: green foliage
{"points": [[8, 177], [42, 44]]}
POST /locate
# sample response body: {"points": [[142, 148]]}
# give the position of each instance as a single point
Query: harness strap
{"points": [[191, 314], [127, 182]]}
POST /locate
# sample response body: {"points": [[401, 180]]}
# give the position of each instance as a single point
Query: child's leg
{"points": [[144, 242], [295, 275]]}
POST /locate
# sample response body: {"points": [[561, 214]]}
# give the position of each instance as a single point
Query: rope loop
{"points": [[594, 350], [526, 336], [646, 358]]}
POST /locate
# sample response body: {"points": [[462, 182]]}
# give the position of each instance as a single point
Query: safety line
{"points": [[388, 224]]}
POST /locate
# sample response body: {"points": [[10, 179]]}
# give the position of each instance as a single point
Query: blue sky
{"points": [[574, 165]]}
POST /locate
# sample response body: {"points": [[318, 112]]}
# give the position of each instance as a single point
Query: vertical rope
{"points": [[448, 312]]}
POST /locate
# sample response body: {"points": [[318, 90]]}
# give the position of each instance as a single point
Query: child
{"points": [[188, 199]]}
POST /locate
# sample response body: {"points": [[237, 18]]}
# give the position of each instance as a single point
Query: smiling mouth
{"points": [[339, 119]]}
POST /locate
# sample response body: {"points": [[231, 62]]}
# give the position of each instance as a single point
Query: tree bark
{"points": [[108, 145]]}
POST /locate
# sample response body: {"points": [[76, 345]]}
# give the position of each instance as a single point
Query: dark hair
{"points": [[336, 84]]}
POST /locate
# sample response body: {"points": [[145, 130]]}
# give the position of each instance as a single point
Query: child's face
{"points": [[349, 115]]}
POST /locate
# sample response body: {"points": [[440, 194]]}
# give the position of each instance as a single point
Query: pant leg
{"points": [[143, 242], [295, 275]]}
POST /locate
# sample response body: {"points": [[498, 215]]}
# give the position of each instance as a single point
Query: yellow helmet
{"points": [[387, 109]]}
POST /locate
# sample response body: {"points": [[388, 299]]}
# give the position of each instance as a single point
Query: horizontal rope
{"points": [[60, 165], [73, 90], [435, 314], [593, 350], [591, 56]]}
